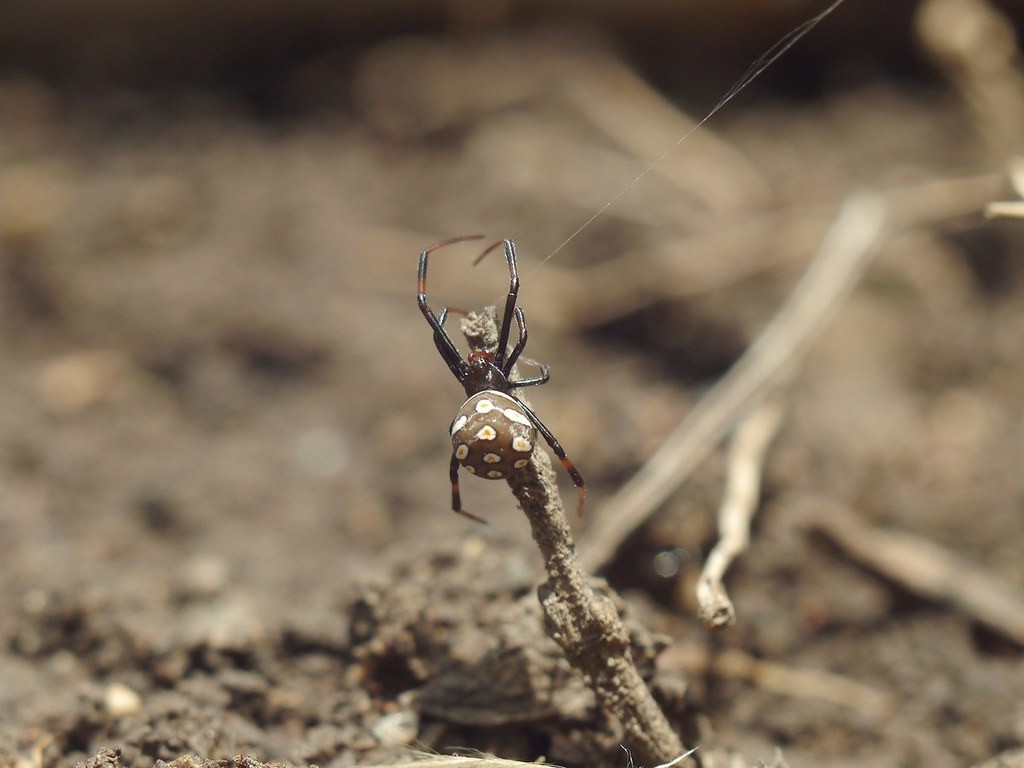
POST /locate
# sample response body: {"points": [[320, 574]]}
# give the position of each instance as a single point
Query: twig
{"points": [[669, 764], [773, 242], [831, 276], [1010, 208], [675, 266], [584, 623], [739, 504], [1011, 758], [489, 761], [923, 568], [1005, 209], [696, 660], [804, 683], [461, 761], [975, 44]]}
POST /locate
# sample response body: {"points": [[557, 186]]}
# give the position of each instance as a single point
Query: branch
{"points": [[829, 279], [923, 568], [739, 505], [585, 624]]}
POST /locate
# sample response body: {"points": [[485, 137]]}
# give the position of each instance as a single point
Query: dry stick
{"points": [[1010, 208], [699, 263], [838, 265], [1005, 209], [584, 623], [739, 504], [427, 760], [924, 568], [698, 660], [975, 44], [804, 683], [1011, 758]]}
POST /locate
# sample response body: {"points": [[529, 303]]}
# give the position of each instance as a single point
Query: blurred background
{"points": [[220, 406]]}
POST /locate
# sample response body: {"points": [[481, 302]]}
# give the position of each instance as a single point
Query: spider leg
{"points": [[542, 378], [455, 365], [449, 352], [559, 451], [520, 344], [510, 310], [545, 371], [456, 496], [439, 341]]}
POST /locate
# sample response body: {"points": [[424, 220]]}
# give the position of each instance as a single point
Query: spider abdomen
{"points": [[492, 436]]}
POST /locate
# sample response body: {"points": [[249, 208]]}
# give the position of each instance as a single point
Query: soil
{"points": [[224, 504]]}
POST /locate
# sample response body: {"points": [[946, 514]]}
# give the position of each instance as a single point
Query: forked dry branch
{"points": [[831, 276]]}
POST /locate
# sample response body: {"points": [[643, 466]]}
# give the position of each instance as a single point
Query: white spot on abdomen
{"points": [[514, 415]]}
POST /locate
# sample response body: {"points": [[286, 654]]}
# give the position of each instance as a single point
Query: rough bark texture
{"points": [[583, 623]]}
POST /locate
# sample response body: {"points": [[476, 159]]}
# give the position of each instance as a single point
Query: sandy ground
{"points": [[224, 497]]}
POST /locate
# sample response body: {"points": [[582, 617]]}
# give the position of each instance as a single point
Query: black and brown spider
{"points": [[494, 432]]}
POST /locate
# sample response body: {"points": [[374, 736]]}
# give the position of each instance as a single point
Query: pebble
{"points": [[397, 727], [121, 701]]}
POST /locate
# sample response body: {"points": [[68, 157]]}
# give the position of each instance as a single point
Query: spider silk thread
{"points": [[756, 68]]}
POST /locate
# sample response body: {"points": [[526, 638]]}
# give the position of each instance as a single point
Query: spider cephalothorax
{"points": [[494, 433]]}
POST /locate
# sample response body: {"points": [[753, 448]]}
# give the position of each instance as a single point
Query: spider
{"points": [[494, 432]]}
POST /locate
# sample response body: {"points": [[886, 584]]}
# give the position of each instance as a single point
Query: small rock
{"points": [[121, 701], [397, 728]]}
